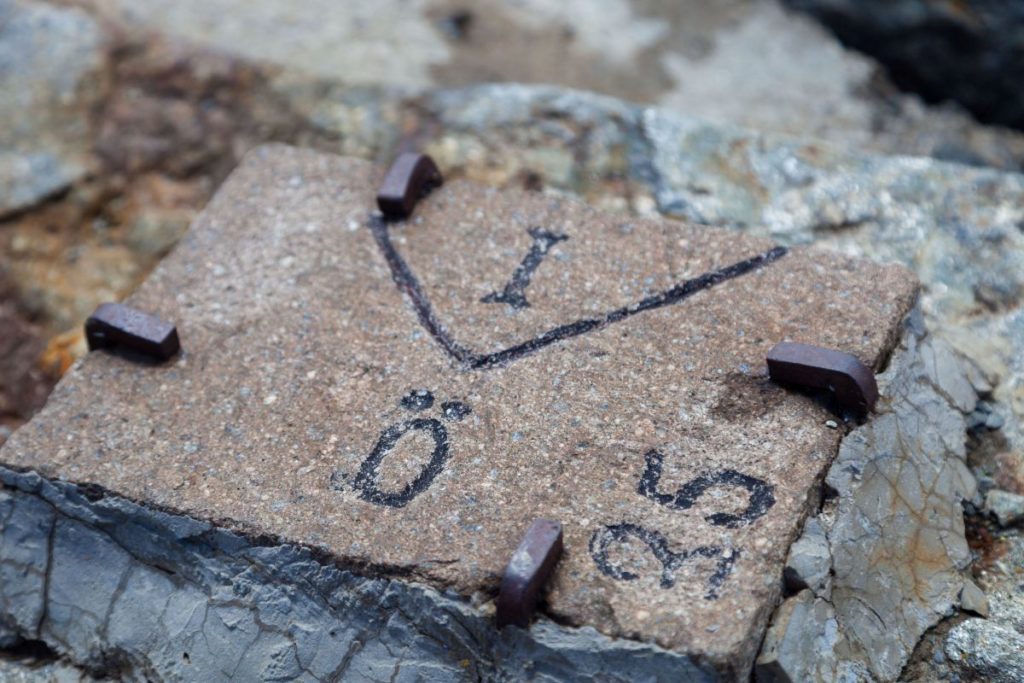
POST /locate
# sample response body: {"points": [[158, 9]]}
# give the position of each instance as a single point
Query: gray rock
{"points": [[801, 643], [895, 530], [741, 62], [809, 564], [972, 599], [21, 670], [982, 649], [969, 52], [49, 62], [1007, 507], [232, 609]]}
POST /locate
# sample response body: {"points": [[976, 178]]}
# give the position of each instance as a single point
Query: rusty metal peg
{"points": [[411, 177], [819, 368], [531, 565], [117, 325]]}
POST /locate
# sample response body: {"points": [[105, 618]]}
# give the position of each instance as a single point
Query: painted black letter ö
{"points": [[366, 481]]}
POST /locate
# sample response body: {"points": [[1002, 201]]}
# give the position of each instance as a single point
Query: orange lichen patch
{"points": [[62, 351]]}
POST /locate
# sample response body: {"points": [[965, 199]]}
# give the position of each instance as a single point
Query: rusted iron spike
{"points": [[411, 177], [813, 366], [120, 325], [531, 564]]}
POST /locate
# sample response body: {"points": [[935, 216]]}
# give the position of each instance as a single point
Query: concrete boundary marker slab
{"points": [[653, 435]]}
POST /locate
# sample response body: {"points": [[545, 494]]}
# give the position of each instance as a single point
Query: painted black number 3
{"points": [[607, 536], [367, 481], [760, 498]]}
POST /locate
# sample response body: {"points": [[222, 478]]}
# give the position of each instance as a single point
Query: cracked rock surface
{"points": [[892, 535], [171, 598]]}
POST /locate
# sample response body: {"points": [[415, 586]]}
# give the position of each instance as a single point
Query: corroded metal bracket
{"points": [[531, 565], [819, 368], [411, 177], [117, 325]]}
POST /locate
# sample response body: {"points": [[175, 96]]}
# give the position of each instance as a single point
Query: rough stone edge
{"points": [[986, 650], [811, 637], [124, 597]]}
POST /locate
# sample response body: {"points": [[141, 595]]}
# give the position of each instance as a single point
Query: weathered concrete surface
{"points": [[895, 543], [969, 253], [956, 227], [285, 415], [49, 67]]}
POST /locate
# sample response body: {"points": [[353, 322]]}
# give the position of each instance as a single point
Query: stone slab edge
{"points": [[884, 560], [126, 589], [129, 591]]}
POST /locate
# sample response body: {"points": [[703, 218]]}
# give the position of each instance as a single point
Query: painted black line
{"points": [[514, 293], [670, 296], [407, 282]]}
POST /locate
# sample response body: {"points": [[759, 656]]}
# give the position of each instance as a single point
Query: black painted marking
{"points": [[417, 399], [366, 481], [455, 410], [762, 494], [514, 293], [407, 282], [606, 536]]}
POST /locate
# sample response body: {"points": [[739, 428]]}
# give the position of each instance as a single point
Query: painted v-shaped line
{"points": [[407, 283]]}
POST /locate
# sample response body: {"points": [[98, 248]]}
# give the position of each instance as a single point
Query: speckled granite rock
{"points": [[983, 650], [50, 61], [590, 396]]}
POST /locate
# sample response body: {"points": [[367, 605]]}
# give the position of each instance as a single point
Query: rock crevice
{"points": [[883, 562]]}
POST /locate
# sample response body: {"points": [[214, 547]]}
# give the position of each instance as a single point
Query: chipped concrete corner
{"points": [[883, 562], [133, 593]]}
